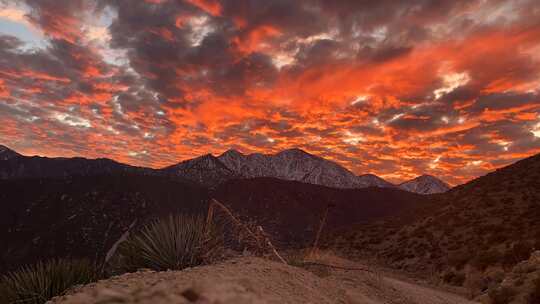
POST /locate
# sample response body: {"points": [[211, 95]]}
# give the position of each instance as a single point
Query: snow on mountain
{"points": [[210, 171], [297, 165], [206, 170], [6, 153], [425, 184]]}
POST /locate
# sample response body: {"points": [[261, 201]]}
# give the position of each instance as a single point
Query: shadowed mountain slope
{"points": [[16, 166], [6, 153], [291, 211], [83, 216], [206, 170]]}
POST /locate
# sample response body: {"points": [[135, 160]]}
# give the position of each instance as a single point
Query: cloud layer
{"points": [[394, 88]]}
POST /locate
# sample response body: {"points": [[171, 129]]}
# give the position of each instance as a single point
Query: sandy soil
{"points": [[256, 280]]}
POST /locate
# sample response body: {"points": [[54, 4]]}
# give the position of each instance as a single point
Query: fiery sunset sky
{"points": [[395, 88]]}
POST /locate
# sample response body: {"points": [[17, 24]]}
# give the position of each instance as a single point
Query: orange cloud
{"points": [[397, 96], [212, 7], [4, 92]]}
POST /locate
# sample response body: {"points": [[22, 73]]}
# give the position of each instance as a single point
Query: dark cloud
{"points": [[9, 43], [506, 100], [384, 53]]}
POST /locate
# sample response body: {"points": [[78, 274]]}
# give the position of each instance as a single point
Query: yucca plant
{"points": [[175, 243], [39, 283]]}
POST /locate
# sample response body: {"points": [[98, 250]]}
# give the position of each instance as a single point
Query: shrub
{"points": [[502, 295], [519, 252], [38, 283], [175, 242], [454, 278], [458, 259], [485, 259]]}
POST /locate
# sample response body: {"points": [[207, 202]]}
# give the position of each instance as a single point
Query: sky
{"points": [[449, 88]]}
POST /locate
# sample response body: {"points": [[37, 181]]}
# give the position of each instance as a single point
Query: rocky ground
{"points": [[257, 280]]}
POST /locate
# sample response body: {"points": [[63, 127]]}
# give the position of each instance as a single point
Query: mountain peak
{"points": [[203, 160], [231, 153], [207, 170], [427, 177], [6, 153], [205, 156], [369, 175], [294, 151], [425, 184]]}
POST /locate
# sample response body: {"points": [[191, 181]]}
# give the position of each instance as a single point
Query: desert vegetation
{"points": [[171, 243], [483, 236], [175, 243], [38, 283]]}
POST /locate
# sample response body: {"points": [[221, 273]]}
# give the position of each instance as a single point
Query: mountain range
{"points": [[475, 235], [211, 171]]}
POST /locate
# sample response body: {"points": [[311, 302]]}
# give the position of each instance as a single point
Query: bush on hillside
{"points": [[39, 283], [485, 259], [502, 295], [518, 252], [175, 243], [458, 259], [455, 278]]}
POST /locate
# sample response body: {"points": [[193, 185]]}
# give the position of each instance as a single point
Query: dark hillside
{"points": [[291, 211], [482, 229], [83, 216]]}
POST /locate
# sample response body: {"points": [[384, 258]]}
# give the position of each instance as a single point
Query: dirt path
{"points": [[421, 294], [254, 280], [375, 288]]}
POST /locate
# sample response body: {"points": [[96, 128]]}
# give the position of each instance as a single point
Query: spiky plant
{"points": [[39, 283], [175, 242]]}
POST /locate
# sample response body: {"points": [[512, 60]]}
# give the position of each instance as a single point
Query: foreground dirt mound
{"points": [[257, 281], [243, 280]]}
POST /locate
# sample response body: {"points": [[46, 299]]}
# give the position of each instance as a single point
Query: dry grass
{"points": [[250, 235]]}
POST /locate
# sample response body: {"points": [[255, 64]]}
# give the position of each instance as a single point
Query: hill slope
{"points": [[291, 211], [6, 153], [206, 170], [82, 216], [16, 166], [486, 226], [256, 281]]}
